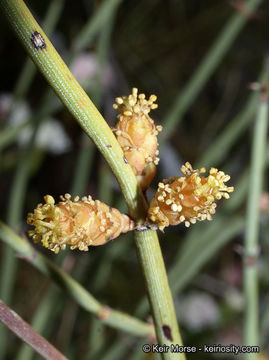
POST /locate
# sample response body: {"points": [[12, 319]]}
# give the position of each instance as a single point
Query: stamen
{"points": [[191, 201]]}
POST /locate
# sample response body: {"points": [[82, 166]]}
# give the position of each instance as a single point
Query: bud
{"points": [[78, 223], [188, 198], [137, 135]]}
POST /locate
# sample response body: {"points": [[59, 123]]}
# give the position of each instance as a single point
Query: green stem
{"points": [[265, 325], [28, 72], [159, 292], [14, 214], [109, 316], [12, 132], [242, 188], [40, 321], [116, 350], [197, 250], [103, 15], [96, 338], [48, 106], [219, 148], [76, 100], [83, 167], [251, 332], [206, 68], [14, 217], [25, 332], [82, 173]]}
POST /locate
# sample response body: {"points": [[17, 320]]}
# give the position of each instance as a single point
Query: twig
{"points": [[25, 332], [251, 251], [220, 147], [206, 68], [76, 100], [109, 316]]}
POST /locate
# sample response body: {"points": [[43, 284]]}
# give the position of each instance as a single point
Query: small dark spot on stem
{"points": [[38, 41], [109, 146], [125, 160], [167, 332]]}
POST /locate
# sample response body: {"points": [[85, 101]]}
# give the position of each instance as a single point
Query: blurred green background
{"points": [[199, 58]]}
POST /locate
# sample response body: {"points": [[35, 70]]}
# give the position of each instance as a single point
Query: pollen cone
{"points": [[188, 198], [78, 223], [137, 135]]}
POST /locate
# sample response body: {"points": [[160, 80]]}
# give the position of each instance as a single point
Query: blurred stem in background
{"points": [[104, 14], [265, 324], [44, 315], [83, 167], [212, 238], [251, 248], [18, 189], [24, 331], [206, 68], [242, 187], [203, 247], [96, 338], [111, 317], [14, 214], [219, 148], [16, 202], [75, 99]]}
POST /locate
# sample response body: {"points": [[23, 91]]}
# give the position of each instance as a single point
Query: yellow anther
{"points": [[191, 197]]}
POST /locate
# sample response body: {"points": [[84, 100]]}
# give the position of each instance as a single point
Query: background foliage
{"points": [[156, 46]]}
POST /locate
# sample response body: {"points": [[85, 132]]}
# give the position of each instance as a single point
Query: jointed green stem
{"points": [[207, 66], [41, 319], [219, 148], [24, 331], [81, 176], [251, 328], [14, 217], [76, 100], [103, 15], [111, 317], [160, 296], [16, 200], [27, 74]]}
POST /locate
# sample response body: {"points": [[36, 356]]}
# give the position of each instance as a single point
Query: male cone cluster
{"points": [[180, 199]]}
